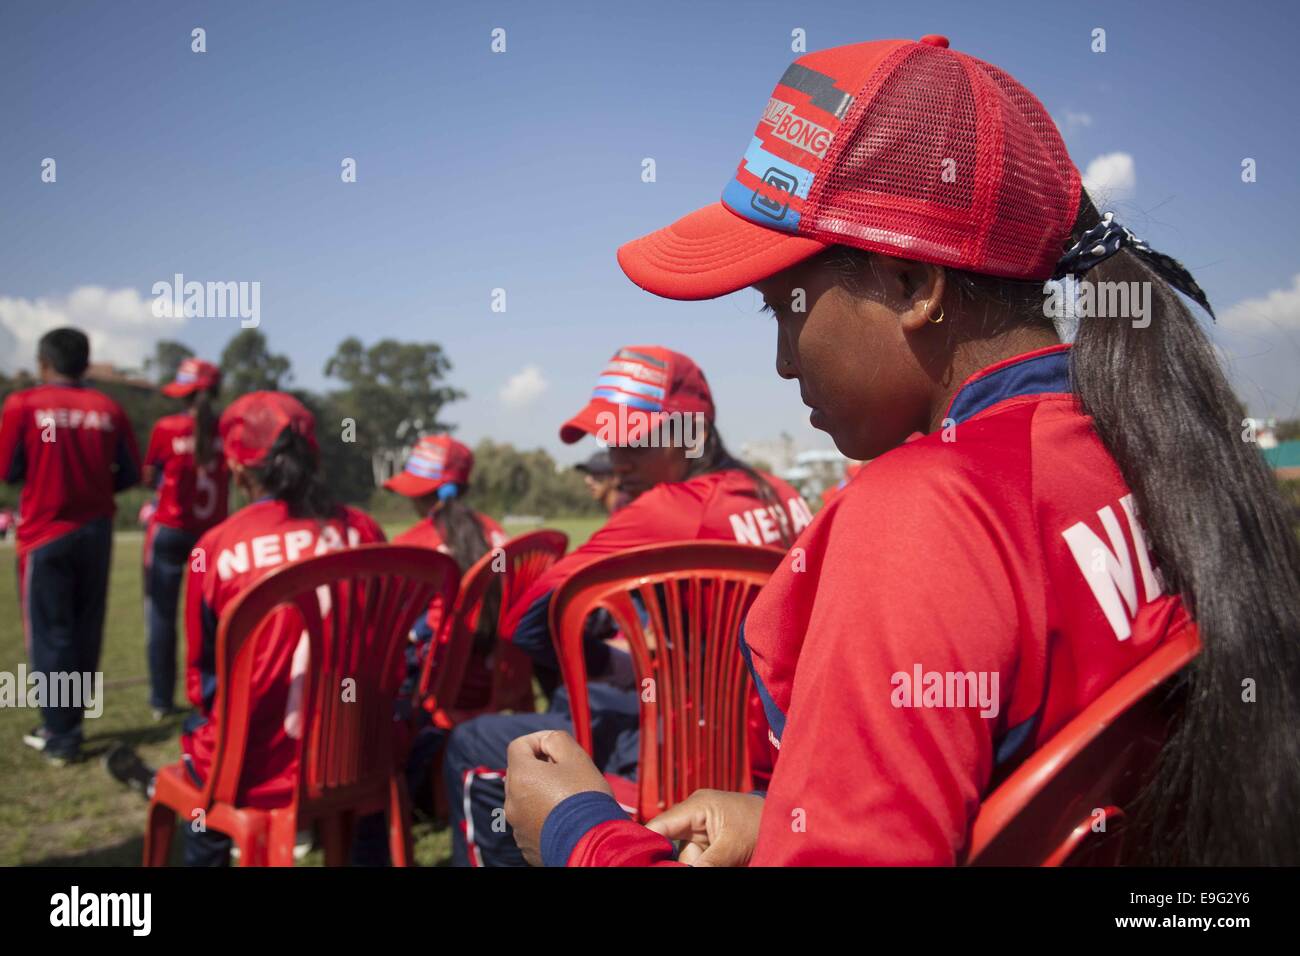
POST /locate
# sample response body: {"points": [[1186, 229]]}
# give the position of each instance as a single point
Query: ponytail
{"points": [[463, 535], [291, 473], [715, 457], [1228, 781], [461, 531], [205, 426]]}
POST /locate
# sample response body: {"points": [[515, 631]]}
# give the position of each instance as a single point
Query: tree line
{"points": [[388, 395]]}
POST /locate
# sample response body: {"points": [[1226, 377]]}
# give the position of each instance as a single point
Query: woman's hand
{"points": [[720, 828], [543, 769]]}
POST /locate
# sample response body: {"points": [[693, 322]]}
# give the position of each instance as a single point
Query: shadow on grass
{"points": [[127, 853], [96, 745]]}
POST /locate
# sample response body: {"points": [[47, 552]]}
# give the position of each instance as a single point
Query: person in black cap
{"points": [[598, 473]]}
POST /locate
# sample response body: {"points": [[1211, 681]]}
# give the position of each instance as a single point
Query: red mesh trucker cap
{"points": [[192, 375], [648, 382], [251, 423], [901, 147], [436, 460]]}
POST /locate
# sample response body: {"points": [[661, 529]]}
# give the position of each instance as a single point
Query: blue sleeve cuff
{"points": [[571, 820]]}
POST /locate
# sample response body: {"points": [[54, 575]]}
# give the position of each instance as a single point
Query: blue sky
{"points": [[522, 171]]}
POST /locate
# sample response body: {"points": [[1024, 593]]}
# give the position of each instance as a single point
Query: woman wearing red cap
{"points": [[270, 445], [436, 478], [1066, 511], [653, 408], [184, 462]]}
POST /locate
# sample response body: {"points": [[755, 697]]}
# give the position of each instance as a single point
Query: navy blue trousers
{"points": [[473, 768], [64, 587], [169, 552]]}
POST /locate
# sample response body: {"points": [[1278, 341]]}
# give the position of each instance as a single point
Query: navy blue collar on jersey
{"points": [[1042, 372]]}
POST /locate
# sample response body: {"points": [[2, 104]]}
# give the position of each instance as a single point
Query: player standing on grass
{"points": [[72, 449], [1068, 509], [687, 487], [184, 462]]}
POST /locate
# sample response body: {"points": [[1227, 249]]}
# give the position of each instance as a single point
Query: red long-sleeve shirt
{"points": [[1006, 558]]}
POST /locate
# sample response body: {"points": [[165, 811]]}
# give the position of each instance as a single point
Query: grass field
{"points": [[78, 815]]}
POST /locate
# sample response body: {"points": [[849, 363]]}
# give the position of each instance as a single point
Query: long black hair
{"points": [[715, 457], [1227, 785], [461, 530], [205, 425], [291, 473]]}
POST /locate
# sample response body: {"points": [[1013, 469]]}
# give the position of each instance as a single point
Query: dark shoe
{"points": [[56, 754], [125, 766]]}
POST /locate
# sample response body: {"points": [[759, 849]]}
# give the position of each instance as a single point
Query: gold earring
{"points": [[934, 321]]}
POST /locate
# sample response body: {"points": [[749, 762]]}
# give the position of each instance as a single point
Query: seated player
{"points": [[602, 484], [693, 489], [1069, 509], [269, 442], [184, 462], [436, 479]]}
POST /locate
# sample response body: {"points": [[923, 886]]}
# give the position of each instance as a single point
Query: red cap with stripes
{"points": [[640, 385], [902, 147]]}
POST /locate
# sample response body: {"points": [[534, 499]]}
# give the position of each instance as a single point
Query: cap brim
{"points": [[601, 420], [413, 486], [709, 253], [180, 389]]}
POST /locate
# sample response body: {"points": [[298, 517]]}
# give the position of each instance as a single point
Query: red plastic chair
{"points": [[1043, 814], [350, 760], [693, 714], [516, 566]]}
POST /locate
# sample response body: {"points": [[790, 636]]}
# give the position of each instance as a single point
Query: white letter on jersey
{"points": [[1112, 576]]}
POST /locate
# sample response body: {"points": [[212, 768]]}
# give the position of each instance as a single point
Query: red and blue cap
{"points": [[902, 147], [191, 375], [646, 379], [434, 462]]}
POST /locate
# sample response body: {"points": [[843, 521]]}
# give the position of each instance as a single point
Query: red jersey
{"points": [[425, 534], [965, 596], [717, 506], [72, 448], [238, 552], [476, 685], [190, 498]]}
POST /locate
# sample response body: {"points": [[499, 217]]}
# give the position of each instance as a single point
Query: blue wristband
{"points": [[571, 820]]}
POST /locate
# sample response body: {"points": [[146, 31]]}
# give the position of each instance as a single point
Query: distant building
{"points": [[111, 375]]}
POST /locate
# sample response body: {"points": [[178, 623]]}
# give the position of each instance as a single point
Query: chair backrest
{"points": [[356, 608], [515, 566], [680, 607], [1066, 803]]}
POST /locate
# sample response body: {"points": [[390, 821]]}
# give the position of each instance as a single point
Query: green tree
{"points": [[247, 365], [393, 393], [509, 481], [166, 359]]}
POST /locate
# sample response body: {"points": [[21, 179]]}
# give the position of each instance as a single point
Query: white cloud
{"points": [[1073, 121], [524, 387], [120, 323], [1259, 340], [1110, 178]]}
